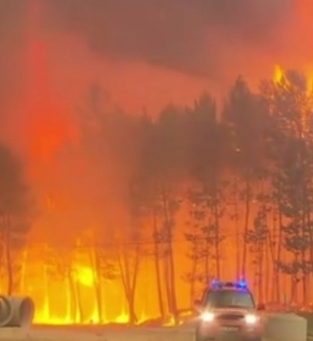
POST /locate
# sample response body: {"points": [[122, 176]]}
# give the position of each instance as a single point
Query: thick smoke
{"points": [[12, 47], [183, 35], [144, 53]]}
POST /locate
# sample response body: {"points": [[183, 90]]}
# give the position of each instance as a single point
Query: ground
{"points": [[96, 334]]}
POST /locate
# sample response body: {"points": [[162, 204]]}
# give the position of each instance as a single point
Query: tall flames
{"points": [[91, 281], [66, 287]]}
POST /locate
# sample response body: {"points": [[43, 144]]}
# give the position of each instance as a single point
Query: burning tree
{"points": [[243, 119], [290, 146], [207, 193], [15, 206]]}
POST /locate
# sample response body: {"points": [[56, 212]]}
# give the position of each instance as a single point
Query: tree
{"points": [[15, 205], [207, 165], [290, 149], [244, 117]]}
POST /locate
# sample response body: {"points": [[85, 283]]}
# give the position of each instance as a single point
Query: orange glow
{"points": [[70, 287], [278, 74], [85, 276], [280, 77]]}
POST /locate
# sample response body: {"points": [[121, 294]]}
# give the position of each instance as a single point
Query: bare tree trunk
{"points": [[278, 257], [217, 238], [237, 229], [171, 266], [157, 265], [194, 273], [246, 226], [95, 265], [73, 295], [79, 303], [207, 263], [23, 269], [260, 270], [268, 277], [7, 223], [172, 282], [129, 280], [167, 282]]}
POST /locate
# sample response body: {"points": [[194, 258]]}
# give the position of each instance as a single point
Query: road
{"points": [[96, 333]]}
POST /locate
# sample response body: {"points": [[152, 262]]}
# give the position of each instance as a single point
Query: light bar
{"points": [[216, 284], [242, 284]]}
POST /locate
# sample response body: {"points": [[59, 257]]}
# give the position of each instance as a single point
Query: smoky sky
{"points": [[189, 36], [179, 34]]}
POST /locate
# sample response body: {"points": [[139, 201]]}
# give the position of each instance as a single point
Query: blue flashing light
{"points": [[242, 284], [215, 284]]}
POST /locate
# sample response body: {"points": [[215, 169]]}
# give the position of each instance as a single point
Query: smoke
{"points": [[145, 53], [182, 35]]}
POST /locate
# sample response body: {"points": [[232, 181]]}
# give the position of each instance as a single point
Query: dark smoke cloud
{"points": [[185, 35], [12, 44]]}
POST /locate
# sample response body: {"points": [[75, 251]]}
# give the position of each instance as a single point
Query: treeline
{"points": [[16, 207], [233, 180], [242, 174]]}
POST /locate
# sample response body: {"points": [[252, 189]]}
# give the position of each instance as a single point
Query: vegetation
{"points": [[237, 180], [208, 190], [15, 207]]}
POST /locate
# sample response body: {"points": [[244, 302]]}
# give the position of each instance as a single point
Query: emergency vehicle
{"points": [[228, 312]]}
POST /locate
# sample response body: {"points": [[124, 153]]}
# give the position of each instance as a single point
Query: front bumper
{"points": [[207, 331]]}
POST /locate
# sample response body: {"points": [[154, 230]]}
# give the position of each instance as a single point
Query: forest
{"points": [[213, 190]]}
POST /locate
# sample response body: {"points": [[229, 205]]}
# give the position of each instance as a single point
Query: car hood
{"points": [[234, 311]]}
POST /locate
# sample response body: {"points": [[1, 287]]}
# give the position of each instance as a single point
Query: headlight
{"points": [[207, 317], [251, 318]]}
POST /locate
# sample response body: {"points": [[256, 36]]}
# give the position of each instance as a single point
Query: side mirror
{"points": [[261, 306]]}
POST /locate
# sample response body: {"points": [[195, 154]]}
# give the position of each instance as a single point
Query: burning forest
{"points": [[136, 165]]}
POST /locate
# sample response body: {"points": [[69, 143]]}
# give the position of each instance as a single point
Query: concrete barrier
{"points": [[22, 312], [16, 311], [5, 311], [309, 318], [286, 327]]}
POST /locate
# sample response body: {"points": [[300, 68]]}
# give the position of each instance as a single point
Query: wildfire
{"points": [[281, 79], [278, 74], [85, 276]]}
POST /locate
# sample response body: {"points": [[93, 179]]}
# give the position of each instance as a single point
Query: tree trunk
{"points": [[7, 223], [129, 280], [79, 303], [246, 226], [157, 265], [268, 277], [193, 273], [73, 298], [167, 282], [260, 270], [171, 266], [278, 257], [95, 265], [237, 230], [172, 283], [217, 238]]}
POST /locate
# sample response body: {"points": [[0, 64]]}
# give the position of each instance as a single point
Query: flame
{"points": [[279, 74], [58, 303], [281, 79], [85, 276]]}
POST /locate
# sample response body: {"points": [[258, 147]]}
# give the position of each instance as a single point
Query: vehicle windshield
{"points": [[229, 298]]}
